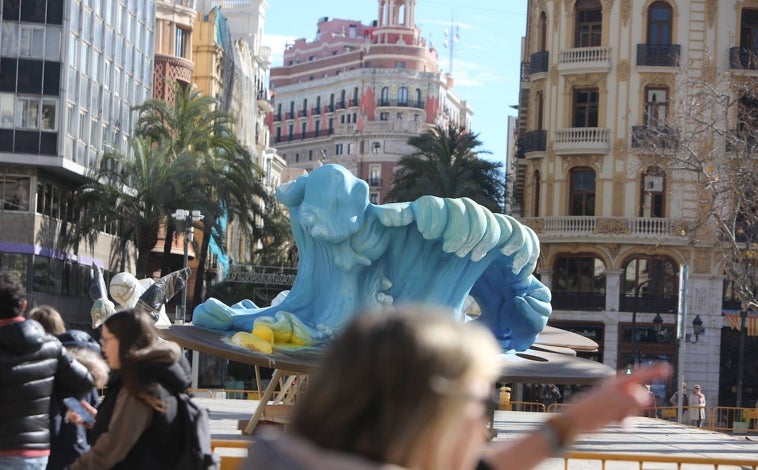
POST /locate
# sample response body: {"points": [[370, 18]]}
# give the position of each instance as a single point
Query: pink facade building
{"points": [[356, 93]]}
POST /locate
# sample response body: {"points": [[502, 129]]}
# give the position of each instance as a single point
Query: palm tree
{"points": [[226, 186], [447, 164], [127, 196]]}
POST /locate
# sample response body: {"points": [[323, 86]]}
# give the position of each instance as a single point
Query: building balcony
{"points": [[582, 140], [658, 55], [653, 138], [401, 103], [539, 62], [307, 135], [526, 71], [584, 60], [649, 302], [535, 142], [742, 141], [743, 58], [302, 113], [393, 126], [289, 115], [375, 182], [645, 230]]}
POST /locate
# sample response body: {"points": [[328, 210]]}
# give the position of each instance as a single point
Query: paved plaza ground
{"points": [[645, 436]]}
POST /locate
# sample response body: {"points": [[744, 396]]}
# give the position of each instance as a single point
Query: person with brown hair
{"points": [[137, 425], [414, 389]]}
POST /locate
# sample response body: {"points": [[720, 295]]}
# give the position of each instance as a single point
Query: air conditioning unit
{"points": [[654, 184]]}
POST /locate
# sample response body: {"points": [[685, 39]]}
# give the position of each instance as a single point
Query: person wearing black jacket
{"points": [[31, 362], [137, 425]]}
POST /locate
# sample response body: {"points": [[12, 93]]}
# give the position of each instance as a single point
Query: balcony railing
{"points": [[402, 103], [375, 182], [289, 115], [582, 140], [585, 59], [526, 68], [648, 303], [658, 55], [742, 141], [539, 62], [654, 137], [535, 141], [569, 300], [743, 58], [567, 227], [302, 113], [301, 136]]}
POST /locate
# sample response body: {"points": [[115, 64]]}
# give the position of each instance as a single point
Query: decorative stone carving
{"points": [[626, 10], [619, 149], [623, 70], [538, 225], [613, 249], [554, 76], [711, 11], [611, 226], [556, 15]]}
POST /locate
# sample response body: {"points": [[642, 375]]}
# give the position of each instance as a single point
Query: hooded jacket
{"points": [[128, 433], [31, 362]]}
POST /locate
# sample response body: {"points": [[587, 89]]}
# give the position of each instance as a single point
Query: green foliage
{"points": [[447, 164]]}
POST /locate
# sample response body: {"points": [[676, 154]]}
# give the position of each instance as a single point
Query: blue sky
{"points": [[486, 58]]}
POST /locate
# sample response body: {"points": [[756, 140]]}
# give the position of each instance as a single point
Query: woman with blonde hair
{"points": [[414, 389], [50, 319]]}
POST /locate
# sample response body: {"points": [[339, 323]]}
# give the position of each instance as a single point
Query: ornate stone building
{"points": [[174, 22], [615, 223], [357, 92]]}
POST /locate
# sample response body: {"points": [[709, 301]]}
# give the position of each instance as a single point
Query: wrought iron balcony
{"points": [[525, 71], [535, 141], [743, 58], [402, 103], [655, 137], [539, 62], [658, 55]]}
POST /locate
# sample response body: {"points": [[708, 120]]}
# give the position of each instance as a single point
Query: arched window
{"points": [[649, 284], [578, 282], [656, 106], [419, 100], [402, 96], [355, 97], [331, 102], [659, 18], [652, 195], [536, 209], [384, 97], [401, 14], [582, 191], [342, 99], [318, 104], [589, 23]]}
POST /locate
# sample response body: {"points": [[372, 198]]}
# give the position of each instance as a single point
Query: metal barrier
{"points": [[229, 394], [641, 459], [529, 406]]}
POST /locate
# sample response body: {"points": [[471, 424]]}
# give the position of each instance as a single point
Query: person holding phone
{"points": [[137, 425], [68, 441]]}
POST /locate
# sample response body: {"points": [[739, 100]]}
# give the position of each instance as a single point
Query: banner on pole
{"points": [[733, 318]]}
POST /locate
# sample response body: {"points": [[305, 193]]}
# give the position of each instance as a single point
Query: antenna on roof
{"points": [[452, 35]]}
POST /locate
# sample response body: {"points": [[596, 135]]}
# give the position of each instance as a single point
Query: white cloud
{"points": [[277, 42]]}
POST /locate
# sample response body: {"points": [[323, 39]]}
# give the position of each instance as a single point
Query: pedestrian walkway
{"points": [[642, 436]]}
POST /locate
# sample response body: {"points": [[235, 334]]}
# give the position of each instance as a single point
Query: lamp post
{"points": [[185, 219], [635, 353]]}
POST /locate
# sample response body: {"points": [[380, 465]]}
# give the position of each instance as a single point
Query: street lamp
{"points": [[185, 220], [635, 353], [697, 327]]}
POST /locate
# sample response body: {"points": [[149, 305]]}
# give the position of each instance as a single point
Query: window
{"points": [[542, 46], [402, 96], [7, 109], [28, 113], [376, 147], [649, 284], [589, 23], [578, 282], [14, 191], [49, 121], [384, 116], [656, 106], [659, 18], [582, 192], [419, 100], [384, 96], [181, 42], [749, 29], [585, 108], [31, 40], [338, 149], [373, 198], [355, 96], [652, 193], [375, 174], [399, 65]]}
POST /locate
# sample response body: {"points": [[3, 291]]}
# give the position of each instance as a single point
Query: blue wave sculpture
{"points": [[356, 256]]}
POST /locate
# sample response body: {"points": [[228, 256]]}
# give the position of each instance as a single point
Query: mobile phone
{"points": [[76, 406]]}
